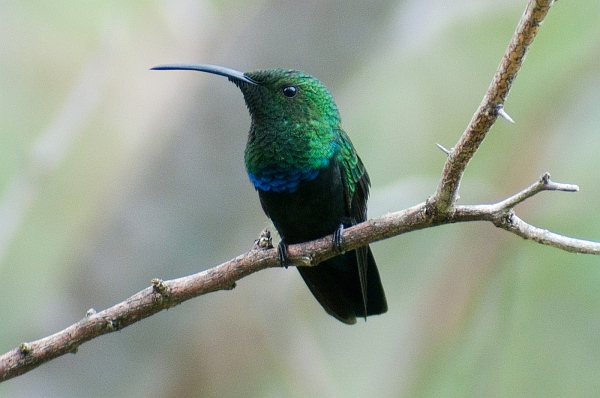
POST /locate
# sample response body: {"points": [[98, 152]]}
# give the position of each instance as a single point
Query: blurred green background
{"points": [[111, 175]]}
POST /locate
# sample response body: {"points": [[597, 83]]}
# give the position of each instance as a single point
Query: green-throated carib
{"points": [[310, 181]]}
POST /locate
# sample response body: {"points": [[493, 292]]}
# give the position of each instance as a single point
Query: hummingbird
{"points": [[310, 181]]}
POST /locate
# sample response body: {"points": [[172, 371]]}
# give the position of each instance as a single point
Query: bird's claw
{"points": [[282, 253], [338, 239]]}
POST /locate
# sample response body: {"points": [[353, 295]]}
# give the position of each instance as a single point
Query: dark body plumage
{"points": [[309, 179], [317, 209]]}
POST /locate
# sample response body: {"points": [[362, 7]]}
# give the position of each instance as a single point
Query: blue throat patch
{"points": [[282, 180]]}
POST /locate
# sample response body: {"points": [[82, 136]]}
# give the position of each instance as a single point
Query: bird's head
{"points": [[277, 95]]}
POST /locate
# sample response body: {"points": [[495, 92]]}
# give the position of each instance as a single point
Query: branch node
{"points": [[264, 241], [305, 261], [507, 219], [429, 211], [25, 348], [161, 288], [504, 220], [90, 312], [111, 325]]}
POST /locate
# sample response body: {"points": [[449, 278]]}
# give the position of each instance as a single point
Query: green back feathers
{"points": [[355, 176]]}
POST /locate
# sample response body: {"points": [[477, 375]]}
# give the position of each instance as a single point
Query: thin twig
{"points": [[543, 184], [514, 224]]}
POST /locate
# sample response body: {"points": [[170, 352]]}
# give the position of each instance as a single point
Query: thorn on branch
{"points": [[443, 149], [503, 114]]}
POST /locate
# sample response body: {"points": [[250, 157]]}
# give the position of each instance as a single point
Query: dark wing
{"points": [[356, 188]]}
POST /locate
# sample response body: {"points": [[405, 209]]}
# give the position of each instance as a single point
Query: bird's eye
{"points": [[289, 91]]}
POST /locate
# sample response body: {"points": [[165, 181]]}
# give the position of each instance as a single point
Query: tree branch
{"points": [[166, 294], [491, 106], [439, 209]]}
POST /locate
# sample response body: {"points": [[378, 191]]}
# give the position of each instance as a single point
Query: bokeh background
{"points": [[111, 175]]}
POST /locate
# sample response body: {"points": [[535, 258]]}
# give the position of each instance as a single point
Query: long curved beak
{"points": [[231, 74]]}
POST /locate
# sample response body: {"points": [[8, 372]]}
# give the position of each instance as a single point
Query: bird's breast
{"points": [[314, 209], [279, 160]]}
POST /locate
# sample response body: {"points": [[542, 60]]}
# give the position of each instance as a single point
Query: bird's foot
{"points": [[338, 239], [282, 252]]}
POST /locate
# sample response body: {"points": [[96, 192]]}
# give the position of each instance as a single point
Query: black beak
{"points": [[231, 74]]}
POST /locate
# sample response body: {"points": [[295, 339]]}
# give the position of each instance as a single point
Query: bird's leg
{"points": [[282, 252]]}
